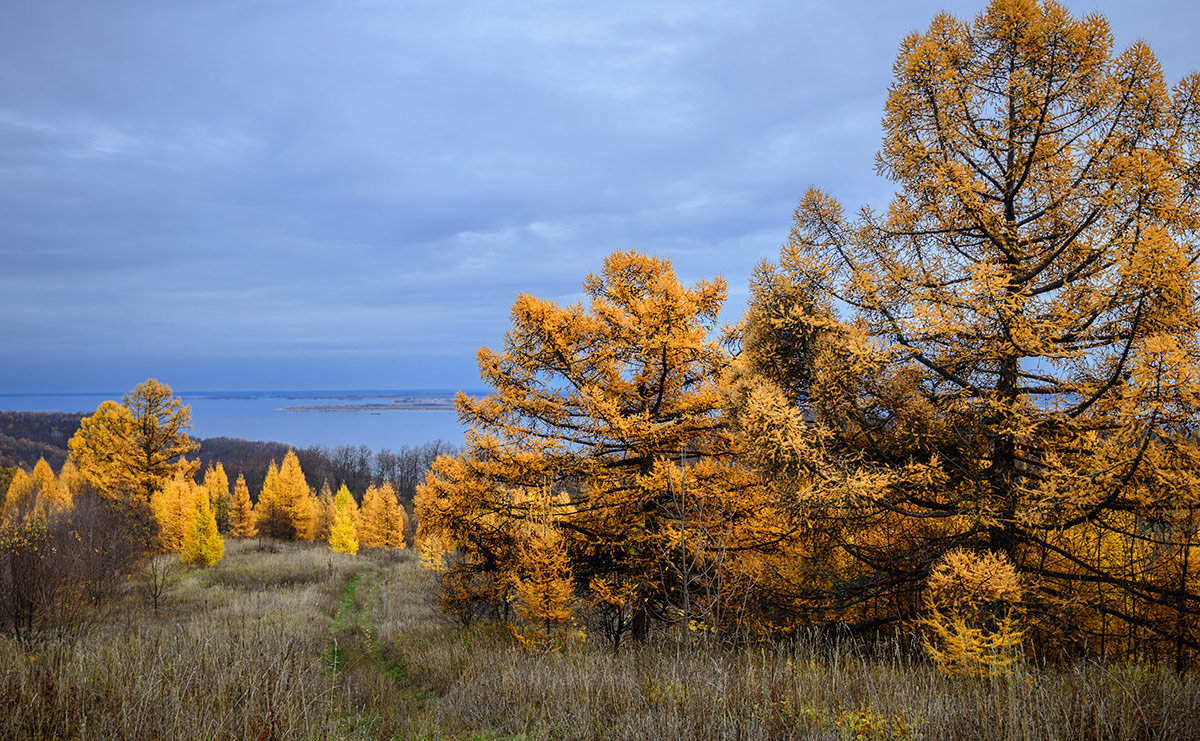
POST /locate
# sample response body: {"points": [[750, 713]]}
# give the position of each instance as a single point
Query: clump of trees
{"points": [[1002, 365]]}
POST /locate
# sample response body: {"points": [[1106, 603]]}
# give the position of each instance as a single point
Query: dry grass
{"points": [[292, 641]]}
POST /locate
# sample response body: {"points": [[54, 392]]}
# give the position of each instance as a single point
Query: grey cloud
{"points": [[193, 186]]}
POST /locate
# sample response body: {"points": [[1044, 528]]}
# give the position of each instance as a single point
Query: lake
{"points": [[377, 419]]}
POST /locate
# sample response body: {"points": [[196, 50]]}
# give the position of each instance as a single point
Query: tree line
{"points": [[129, 490]]}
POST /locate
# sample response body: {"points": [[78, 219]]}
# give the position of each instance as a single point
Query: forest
{"points": [[951, 445]]}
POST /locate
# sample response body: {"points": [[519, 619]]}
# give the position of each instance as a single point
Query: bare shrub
{"points": [[56, 571]]}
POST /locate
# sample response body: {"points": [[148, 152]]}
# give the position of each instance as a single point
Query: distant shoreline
{"points": [[396, 406]]}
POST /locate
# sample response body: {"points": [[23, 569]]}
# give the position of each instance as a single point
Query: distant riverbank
{"points": [[375, 418]]}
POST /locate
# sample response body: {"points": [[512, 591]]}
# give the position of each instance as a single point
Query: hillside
{"points": [[27, 436]]}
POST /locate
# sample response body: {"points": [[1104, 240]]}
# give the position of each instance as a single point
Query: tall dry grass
{"points": [[292, 641]]}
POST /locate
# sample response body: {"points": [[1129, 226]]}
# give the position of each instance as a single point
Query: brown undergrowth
{"points": [[292, 641]]}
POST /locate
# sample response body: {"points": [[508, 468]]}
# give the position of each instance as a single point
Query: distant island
{"points": [[378, 402]]}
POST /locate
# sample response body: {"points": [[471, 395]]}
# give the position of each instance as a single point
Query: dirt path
{"points": [[353, 633]]}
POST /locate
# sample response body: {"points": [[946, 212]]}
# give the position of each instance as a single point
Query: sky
{"points": [[351, 195]]}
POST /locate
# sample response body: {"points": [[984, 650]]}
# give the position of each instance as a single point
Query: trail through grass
{"points": [[353, 629]]}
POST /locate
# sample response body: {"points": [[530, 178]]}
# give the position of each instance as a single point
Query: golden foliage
{"points": [[202, 545], [286, 506], [241, 513], [1007, 359], [543, 589], [383, 523], [342, 534], [324, 513], [972, 626], [130, 450], [173, 507], [605, 420], [37, 493], [216, 483]]}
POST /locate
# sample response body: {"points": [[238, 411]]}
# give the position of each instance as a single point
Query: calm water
{"points": [[377, 419]]}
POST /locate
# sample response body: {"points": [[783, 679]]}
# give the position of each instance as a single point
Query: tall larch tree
{"points": [[296, 497], [216, 483], [1006, 359], [271, 517], [71, 481], [130, 450], [173, 507], [201, 544], [543, 585], [342, 533], [324, 513], [376, 515], [241, 512], [602, 411]]}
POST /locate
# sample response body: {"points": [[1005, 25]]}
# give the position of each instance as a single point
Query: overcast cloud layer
{"points": [[255, 195]]}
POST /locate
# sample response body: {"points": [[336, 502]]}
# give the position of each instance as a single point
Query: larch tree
{"points": [[371, 517], [342, 533], [383, 521], [324, 513], [286, 507], [216, 483], [70, 480], [130, 450], [201, 544], [241, 512], [173, 507], [271, 517], [397, 526], [609, 415], [543, 587], [296, 497], [1006, 359]]}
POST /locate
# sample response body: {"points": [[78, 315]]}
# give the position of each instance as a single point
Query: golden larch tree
{"points": [[241, 512], [1006, 359], [324, 513], [342, 534], [173, 508], [216, 483], [600, 413], [130, 450], [543, 586], [71, 481], [383, 521], [296, 497], [270, 516], [202, 544]]}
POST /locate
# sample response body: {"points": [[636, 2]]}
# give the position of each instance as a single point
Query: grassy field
{"points": [[293, 641]]}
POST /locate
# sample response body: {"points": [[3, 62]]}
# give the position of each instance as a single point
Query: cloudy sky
{"points": [[350, 195]]}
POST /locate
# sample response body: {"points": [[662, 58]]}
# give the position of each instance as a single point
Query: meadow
{"points": [[289, 640]]}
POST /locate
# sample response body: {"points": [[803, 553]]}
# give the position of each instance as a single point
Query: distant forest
{"points": [[27, 436]]}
